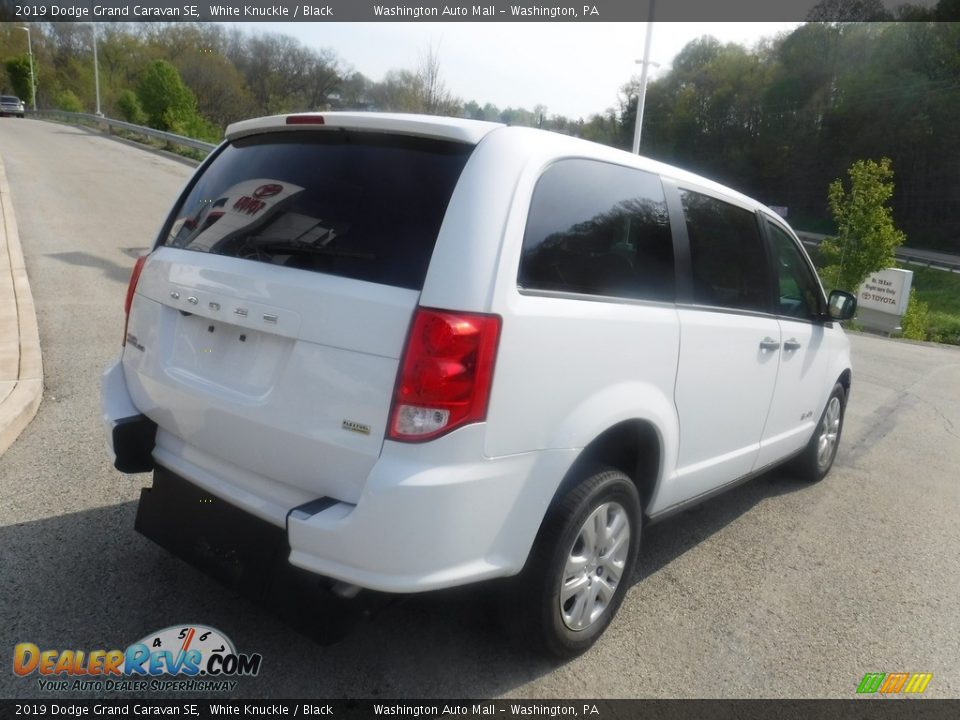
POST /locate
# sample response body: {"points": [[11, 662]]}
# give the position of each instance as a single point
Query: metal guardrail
{"points": [[914, 256], [109, 124], [937, 261]]}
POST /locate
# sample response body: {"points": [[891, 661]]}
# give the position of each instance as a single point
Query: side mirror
{"points": [[842, 305]]}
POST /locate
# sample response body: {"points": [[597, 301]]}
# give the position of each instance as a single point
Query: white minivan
{"points": [[404, 353]]}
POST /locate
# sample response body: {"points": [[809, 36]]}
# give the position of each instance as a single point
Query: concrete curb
{"points": [[21, 365]]}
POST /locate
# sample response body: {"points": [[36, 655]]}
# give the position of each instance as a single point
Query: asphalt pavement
{"points": [[776, 589]]}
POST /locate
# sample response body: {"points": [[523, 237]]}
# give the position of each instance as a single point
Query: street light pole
{"points": [[642, 97], [33, 82], [96, 65], [96, 68]]}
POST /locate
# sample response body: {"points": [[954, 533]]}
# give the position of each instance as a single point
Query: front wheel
{"points": [[580, 567], [817, 458]]}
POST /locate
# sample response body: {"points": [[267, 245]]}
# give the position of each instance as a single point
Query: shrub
{"points": [[916, 320], [69, 102], [130, 108]]}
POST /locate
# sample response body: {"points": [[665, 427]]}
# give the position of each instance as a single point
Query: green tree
{"points": [[601, 128], [168, 103], [848, 11], [948, 10], [68, 101], [130, 108], [400, 91], [18, 71], [490, 112], [355, 92], [220, 89], [201, 129], [866, 239]]}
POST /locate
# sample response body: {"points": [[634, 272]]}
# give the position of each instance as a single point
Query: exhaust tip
{"points": [[345, 590]]}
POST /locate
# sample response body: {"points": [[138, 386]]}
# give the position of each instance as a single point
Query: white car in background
{"points": [[407, 353], [11, 105]]}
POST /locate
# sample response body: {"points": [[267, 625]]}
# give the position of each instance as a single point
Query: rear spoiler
{"points": [[442, 128]]}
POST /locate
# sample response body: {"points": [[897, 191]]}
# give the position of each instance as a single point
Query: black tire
{"points": [[813, 465], [531, 604]]}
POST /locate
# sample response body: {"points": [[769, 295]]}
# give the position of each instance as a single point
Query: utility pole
{"points": [[33, 81], [645, 65]]}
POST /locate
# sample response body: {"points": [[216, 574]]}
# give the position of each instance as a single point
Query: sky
{"points": [[575, 69]]}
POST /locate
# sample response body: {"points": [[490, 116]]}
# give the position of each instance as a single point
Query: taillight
{"points": [[131, 289], [445, 374]]}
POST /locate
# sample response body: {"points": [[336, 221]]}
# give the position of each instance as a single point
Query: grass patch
{"points": [[944, 327], [940, 290]]}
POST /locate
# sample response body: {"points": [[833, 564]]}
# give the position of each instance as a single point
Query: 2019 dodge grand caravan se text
{"points": [[413, 353]]}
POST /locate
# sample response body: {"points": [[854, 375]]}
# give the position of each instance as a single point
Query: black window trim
{"points": [[822, 318], [683, 264]]}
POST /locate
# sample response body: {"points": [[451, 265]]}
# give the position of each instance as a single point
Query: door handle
{"points": [[768, 343], [791, 345]]}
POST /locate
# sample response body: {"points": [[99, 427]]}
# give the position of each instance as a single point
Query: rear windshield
{"points": [[358, 205]]}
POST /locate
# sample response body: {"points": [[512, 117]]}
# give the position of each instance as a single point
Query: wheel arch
{"points": [[630, 426], [634, 446], [845, 379]]}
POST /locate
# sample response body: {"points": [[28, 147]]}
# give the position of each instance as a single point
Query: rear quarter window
{"points": [[360, 205], [598, 229]]}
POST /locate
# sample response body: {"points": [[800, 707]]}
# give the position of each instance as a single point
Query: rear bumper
{"points": [[430, 516], [426, 519], [130, 434], [430, 519]]}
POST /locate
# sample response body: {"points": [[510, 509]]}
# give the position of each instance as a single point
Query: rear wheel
{"points": [[818, 457], [580, 566]]}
